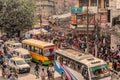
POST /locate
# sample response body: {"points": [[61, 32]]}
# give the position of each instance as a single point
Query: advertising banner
{"points": [[103, 20], [73, 19]]}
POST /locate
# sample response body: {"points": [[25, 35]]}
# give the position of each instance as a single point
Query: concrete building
{"points": [[97, 10], [113, 11], [114, 22], [63, 6], [45, 8]]}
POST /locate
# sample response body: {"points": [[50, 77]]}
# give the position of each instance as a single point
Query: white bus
{"points": [[80, 66]]}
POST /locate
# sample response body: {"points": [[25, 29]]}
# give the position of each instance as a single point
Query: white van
{"points": [[11, 45], [18, 64], [22, 53]]}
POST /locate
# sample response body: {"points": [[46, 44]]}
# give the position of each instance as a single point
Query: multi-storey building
{"points": [[114, 21], [63, 6], [45, 8], [97, 14]]}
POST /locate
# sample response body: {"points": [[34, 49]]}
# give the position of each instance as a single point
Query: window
{"points": [[83, 2], [99, 5], [106, 3], [85, 73], [93, 2], [64, 61], [28, 47], [32, 48], [36, 49], [109, 15]]}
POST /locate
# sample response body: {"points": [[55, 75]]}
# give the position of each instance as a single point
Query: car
{"points": [[19, 65], [11, 45], [23, 53]]}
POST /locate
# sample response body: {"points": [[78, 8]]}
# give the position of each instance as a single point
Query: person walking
{"points": [[11, 77], [51, 70], [36, 71], [43, 74], [48, 73]]}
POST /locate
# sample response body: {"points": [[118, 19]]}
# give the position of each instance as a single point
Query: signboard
{"points": [[117, 4], [76, 10], [73, 19], [103, 20]]}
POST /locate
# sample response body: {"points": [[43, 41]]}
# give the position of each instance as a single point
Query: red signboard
{"points": [[103, 20], [73, 19]]}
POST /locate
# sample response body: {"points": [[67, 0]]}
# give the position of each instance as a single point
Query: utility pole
{"points": [[87, 40], [96, 33], [64, 5]]}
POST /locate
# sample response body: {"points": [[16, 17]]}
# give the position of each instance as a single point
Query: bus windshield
{"points": [[49, 51], [99, 72]]}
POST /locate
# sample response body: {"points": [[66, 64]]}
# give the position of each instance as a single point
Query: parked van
{"points": [[22, 53]]}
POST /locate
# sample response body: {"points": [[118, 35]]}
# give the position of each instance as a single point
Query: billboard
{"points": [[73, 19], [103, 20], [76, 10]]}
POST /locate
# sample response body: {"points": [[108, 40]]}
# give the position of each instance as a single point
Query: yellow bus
{"points": [[41, 52]]}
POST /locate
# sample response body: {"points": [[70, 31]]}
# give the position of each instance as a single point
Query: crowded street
{"points": [[59, 39]]}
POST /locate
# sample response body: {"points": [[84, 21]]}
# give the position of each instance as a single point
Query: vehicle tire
{"points": [[63, 76]]}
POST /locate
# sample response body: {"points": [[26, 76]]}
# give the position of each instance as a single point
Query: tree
{"points": [[16, 15]]}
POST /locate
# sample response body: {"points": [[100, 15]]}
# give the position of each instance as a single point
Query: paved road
{"points": [[31, 76]]}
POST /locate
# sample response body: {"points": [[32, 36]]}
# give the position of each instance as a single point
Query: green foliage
{"points": [[16, 15]]}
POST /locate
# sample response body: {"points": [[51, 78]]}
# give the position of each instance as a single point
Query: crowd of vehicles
{"points": [[71, 65], [22, 53]]}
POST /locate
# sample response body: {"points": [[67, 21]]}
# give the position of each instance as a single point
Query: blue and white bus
{"points": [[80, 66]]}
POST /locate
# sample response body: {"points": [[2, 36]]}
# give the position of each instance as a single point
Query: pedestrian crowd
{"points": [[44, 73], [79, 42]]}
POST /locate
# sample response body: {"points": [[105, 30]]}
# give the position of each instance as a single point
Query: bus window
{"points": [[77, 67], [72, 65], [48, 51], [58, 58], [32, 48], [85, 73], [68, 63], [99, 72], [65, 61], [23, 45], [37, 50]]}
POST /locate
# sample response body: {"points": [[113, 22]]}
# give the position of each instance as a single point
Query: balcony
{"points": [[102, 10], [92, 9]]}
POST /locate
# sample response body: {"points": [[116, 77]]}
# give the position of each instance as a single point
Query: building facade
{"points": [[45, 8], [96, 14], [63, 6], [114, 12], [114, 22]]}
